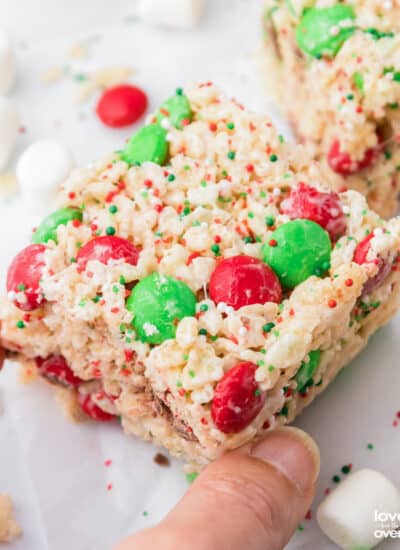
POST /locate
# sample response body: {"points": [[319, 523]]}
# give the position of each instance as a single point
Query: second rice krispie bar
{"points": [[202, 285], [334, 67]]}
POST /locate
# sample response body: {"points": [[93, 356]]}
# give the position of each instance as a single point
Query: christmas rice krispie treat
{"points": [[334, 67], [202, 285]]}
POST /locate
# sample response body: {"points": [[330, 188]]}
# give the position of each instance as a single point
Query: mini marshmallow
{"points": [[41, 168], [7, 64], [9, 125], [361, 511], [179, 14]]}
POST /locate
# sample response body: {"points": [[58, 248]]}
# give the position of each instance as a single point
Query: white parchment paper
{"points": [[84, 487]]}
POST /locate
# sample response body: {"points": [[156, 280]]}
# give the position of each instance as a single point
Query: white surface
{"points": [[9, 125], [7, 63], [177, 14], [55, 471], [351, 514], [40, 169]]}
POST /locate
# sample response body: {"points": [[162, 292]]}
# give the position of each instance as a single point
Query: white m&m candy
{"points": [[361, 512], [7, 63], [179, 14], [41, 168], [9, 125]]}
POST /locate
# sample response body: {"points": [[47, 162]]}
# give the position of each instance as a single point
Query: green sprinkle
{"points": [[96, 299], [336, 479], [171, 177], [178, 383], [269, 221], [268, 327], [191, 476], [203, 183], [231, 155], [260, 363], [271, 368], [281, 138], [358, 80], [113, 209], [192, 374], [257, 392], [122, 280], [21, 287], [179, 91], [145, 513], [110, 230], [273, 158], [350, 96], [248, 239], [276, 333], [300, 527], [20, 324], [82, 303], [186, 211], [388, 154], [115, 289], [230, 126], [346, 469], [203, 332], [214, 338], [204, 307], [122, 327], [370, 446], [394, 105], [284, 411], [250, 215], [215, 248]]}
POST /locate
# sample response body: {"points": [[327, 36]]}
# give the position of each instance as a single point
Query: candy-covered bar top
{"points": [[202, 283], [334, 67]]}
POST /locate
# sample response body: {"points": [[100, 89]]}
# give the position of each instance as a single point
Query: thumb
{"points": [[251, 498]]}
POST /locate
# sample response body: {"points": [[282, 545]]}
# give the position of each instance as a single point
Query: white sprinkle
{"points": [[166, 123], [276, 192], [242, 331], [334, 31], [150, 329], [346, 209]]}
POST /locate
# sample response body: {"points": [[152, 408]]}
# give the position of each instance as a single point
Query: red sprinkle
{"points": [[348, 282], [273, 242], [332, 303]]}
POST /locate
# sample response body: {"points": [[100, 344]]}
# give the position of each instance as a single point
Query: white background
{"points": [[55, 471]]}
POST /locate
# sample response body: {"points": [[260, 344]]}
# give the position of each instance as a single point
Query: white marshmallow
{"points": [[41, 168], [9, 124], [179, 14], [361, 510], [7, 64]]}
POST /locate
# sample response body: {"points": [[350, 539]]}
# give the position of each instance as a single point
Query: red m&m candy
{"points": [[106, 249], [88, 405], [237, 399], [57, 371], [121, 105], [342, 163], [321, 207], [242, 281], [360, 258], [23, 277]]}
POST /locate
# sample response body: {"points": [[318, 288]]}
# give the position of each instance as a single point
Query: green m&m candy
{"points": [[322, 31], [47, 230], [177, 108], [307, 370], [158, 302], [297, 250], [149, 144]]}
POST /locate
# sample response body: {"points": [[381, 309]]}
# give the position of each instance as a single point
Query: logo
{"points": [[387, 525]]}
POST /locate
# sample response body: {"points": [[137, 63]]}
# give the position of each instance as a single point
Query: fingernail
{"points": [[293, 453]]}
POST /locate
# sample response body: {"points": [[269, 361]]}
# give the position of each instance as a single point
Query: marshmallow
{"points": [[362, 511], [179, 14], [7, 64], [9, 125], [41, 168]]}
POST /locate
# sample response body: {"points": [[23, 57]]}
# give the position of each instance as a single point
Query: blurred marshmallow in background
{"points": [[41, 168], [7, 63], [9, 126], [177, 14]]}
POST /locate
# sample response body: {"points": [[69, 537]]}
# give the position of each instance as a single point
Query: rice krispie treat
{"points": [[202, 285], [334, 67], [9, 528]]}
